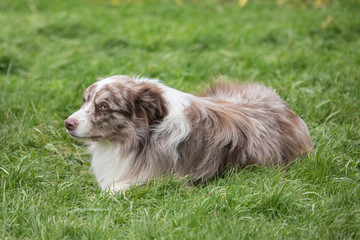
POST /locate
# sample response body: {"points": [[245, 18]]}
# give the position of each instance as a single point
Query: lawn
{"points": [[50, 51]]}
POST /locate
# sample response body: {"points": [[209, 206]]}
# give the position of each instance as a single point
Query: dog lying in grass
{"points": [[138, 129]]}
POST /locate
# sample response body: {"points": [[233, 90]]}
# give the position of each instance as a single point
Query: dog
{"points": [[138, 129]]}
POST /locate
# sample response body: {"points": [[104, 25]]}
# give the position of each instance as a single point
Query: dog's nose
{"points": [[70, 123]]}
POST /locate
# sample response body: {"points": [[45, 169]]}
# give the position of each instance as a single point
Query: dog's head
{"points": [[117, 108]]}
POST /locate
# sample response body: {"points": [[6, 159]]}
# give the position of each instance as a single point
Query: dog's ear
{"points": [[150, 105]]}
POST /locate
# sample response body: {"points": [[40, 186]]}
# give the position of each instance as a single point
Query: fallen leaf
{"points": [[242, 3]]}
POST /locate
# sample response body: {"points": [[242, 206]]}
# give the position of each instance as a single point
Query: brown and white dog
{"points": [[138, 129]]}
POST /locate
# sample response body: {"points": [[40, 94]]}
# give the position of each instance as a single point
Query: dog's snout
{"points": [[70, 123]]}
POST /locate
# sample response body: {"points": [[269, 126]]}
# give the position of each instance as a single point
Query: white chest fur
{"points": [[111, 166]]}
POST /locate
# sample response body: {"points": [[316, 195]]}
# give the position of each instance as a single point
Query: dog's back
{"points": [[244, 94], [264, 130]]}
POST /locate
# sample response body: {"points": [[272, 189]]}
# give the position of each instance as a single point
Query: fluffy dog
{"points": [[138, 129]]}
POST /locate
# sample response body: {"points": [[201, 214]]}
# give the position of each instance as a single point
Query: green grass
{"points": [[51, 50]]}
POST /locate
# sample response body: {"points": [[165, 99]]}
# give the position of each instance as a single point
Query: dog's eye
{"points": [[103, 106]]}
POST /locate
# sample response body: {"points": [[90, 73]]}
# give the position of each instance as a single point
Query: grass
{"points": [[51, 50]]}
